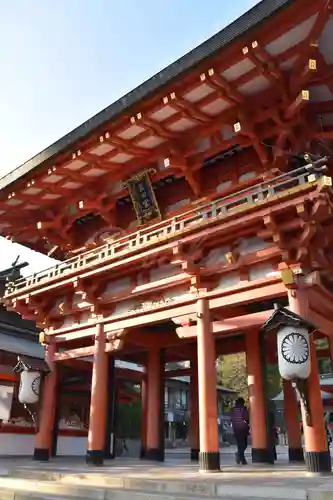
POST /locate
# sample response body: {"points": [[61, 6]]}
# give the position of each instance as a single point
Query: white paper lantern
{"points": [[29, 387], [293, 352]]}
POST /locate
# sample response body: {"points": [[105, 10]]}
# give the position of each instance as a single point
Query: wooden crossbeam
{"points": [[247, 293], [228, 326]]}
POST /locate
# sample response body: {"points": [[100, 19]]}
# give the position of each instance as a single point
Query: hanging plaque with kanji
{"points": [[143, 198]]}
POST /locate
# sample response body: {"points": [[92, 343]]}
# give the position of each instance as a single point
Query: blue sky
{"points": [[63, 61]]}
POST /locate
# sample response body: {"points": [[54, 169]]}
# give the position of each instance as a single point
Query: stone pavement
{"points": [[177, 478]]}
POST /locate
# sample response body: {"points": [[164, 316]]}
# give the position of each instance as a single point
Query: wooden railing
{"points": [[171, 228]]}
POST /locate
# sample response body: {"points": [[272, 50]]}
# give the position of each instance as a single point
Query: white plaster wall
{"points": [[124, 307], [250, 245], [118, 286], [216, 256], [72, 446], [17, 444], [260, 271], [162, 272], [223, 185], [229, 280], [247, 176], [177, 295], [24, 445]]}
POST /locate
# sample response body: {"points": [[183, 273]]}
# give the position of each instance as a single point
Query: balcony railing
{"points": [[173, 227]]}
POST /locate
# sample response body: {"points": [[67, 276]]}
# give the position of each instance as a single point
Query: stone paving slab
{"points": [[175, 479]]}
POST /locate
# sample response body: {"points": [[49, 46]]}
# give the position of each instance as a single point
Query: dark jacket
{"points": [[240, 418]]}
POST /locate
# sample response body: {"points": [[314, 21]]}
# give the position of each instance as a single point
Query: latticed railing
{"points": [[176, 226]]}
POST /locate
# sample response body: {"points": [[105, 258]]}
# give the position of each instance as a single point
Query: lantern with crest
{"points": [[293, 343], [293, 348], [31, 371]]}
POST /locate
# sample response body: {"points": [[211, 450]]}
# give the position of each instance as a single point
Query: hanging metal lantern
{"points": [[29, 389], [293, 343], [31, 371], [293, 352]]}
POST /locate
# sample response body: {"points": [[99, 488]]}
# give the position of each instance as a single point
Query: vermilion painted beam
{"points": [[227, 326], [175, 281], [80, 352], [251, 215], [320, 303], [252, 292], [321, 322]]}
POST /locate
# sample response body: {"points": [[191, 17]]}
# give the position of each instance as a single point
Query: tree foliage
{"points": [[231, 371], [128, 420], [232, 374]]}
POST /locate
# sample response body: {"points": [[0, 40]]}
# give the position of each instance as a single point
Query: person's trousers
{"points": [[241, 441]]}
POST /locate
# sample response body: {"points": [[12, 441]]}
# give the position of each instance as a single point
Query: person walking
{"points": [[240, 426]]}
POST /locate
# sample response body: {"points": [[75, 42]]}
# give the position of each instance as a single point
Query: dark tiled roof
{"points": [[283, 317]]}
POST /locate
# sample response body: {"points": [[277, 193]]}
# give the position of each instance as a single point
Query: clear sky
{"points": [[62, 61]]}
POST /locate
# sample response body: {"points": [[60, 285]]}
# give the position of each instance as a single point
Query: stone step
{"points": [[124, 488], [66, 480]]}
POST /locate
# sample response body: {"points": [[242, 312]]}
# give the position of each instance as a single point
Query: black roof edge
{"points": [[248, 21], [284, 317], [5, 273]]}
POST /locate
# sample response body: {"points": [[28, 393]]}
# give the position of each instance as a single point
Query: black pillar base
{"points": [[42, 454], [143, 452], [209, 461], [195, 454], [154, 454], [95, 457], [262, 456], [296, 455], [318, 461]]}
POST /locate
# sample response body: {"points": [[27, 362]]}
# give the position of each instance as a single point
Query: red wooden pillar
{"points": [[209, 455], [194, 411], [155, 410], [98, 401], [110, 438], [317, 455], [260, 448], [295, 448], [144, 416], [44, 436]]}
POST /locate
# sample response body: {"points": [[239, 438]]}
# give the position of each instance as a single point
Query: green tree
{"points": [[273, 380], [232, 374], [128, 420], [231, 371]]}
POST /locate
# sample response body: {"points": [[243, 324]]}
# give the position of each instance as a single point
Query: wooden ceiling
{"points": [[271, 87]]}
